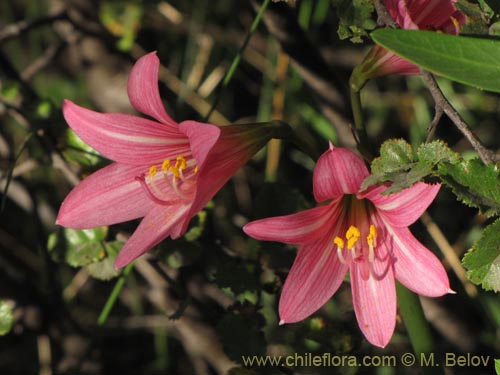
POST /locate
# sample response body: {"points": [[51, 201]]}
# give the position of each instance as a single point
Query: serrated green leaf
{"points": [[395, 154], [404, 180], [355, 18], [435, 152], [6, 318], [468, 60], [475, 184], [398, 164], [483, 260]]}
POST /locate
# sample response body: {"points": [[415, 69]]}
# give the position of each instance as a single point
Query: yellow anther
{"points": [[371, 236], [352, 235], [455, 22], [180, 162], [339, 242], [166, 165], [195, 170], [152, 171], [175, 170], [352, 232]]}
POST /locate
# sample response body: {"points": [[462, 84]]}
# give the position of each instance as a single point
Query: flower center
{"points": [[169, 183], [359, 241], [355, 249]]}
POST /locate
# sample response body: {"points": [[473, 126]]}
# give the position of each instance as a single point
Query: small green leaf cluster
{"points": [[475, 184], [355, 18]]}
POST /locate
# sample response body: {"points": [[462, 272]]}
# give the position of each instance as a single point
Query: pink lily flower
{"points": [[164, 172], [437, 15], [365, 233]]}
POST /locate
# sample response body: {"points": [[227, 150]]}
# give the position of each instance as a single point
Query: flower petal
{"points": [[374, 298], [202, 138], [339, 171], [143, 89], [404, 208], [297, 228], [431, 14], [158, 224], [416, 267], [315, 276], [108, 196], [125, 138]]}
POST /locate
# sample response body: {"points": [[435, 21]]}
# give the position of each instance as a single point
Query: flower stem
{"points": [[357, 111], [114, 295], [415, 322]]}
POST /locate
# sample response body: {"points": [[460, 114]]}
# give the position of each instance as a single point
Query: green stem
{"points": [[114, 295], [359, 121], [416, 325], [237, 58]]}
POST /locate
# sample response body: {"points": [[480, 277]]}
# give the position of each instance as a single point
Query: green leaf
{"points": [[395, 154], [435, 152], [475, 184], [85, 246], [355, 17], [6, 318], [468, 60], [104, 269], [79, 152], [497, 366], [483, 260]]}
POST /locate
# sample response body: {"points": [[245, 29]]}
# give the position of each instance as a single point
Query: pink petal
{"points": [[339, 171], [158, 224], [109, 196], [380, 62], [297, 228], [374, 299], [431, 14], [404, 208], [202, 138], [143, 89], [399, 12], [416, 267], [125, 138], [315, 276]]}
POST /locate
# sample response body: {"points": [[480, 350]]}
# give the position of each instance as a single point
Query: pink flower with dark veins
{"points": [[163, 171], [435, 15], [365, 233]]}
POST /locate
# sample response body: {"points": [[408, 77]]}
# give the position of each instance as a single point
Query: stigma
{"points": [[170, 182], [354, 245]]}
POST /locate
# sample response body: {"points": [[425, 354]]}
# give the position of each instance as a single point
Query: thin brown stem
{"points": [[487, 156]]}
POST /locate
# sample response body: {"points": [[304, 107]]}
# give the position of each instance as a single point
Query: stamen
{"points": [[180, 182], [339, 242], [340, 246], [352, 235], [166, 165], [371, 239], [152, 171], [153, 197], [180, 163]]}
